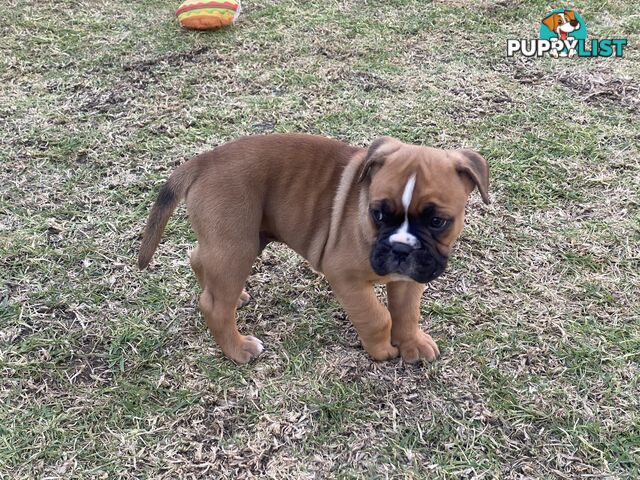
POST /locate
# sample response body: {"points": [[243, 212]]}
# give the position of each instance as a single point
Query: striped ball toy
{"points": [[203, 15]]}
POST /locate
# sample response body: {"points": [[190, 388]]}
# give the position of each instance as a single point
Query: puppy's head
{"points": [[564, 21], [416, 200]]}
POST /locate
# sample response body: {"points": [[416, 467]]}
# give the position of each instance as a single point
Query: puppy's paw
{"points": [[243, 299], [418, 347], [382, 351], [245, 350]]}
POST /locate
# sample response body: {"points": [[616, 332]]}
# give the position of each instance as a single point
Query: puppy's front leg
{"points": [[371, 319], [404, 305]]}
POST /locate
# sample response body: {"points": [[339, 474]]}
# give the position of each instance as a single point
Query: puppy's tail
{"points": [[170, 195]]}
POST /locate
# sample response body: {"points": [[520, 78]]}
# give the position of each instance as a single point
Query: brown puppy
{"points": [[389, 214]]}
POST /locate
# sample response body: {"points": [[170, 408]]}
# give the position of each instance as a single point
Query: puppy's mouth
{"points": [[423, 264], [567, 28]]}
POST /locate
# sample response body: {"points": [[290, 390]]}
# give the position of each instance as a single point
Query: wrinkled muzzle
{"points": [[422, 264]]}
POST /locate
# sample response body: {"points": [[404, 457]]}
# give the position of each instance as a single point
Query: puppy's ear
{"points": [[551, 22], [375, 157], [570, 14], [473, 166]]}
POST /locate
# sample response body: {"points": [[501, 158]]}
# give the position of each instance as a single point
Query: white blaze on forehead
{"points": [[402, 234], [408, 192]]}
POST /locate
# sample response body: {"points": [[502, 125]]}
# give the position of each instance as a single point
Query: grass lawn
{"points": [[108, 372]]}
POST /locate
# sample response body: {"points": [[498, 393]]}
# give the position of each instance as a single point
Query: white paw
{"points": [[258, 343]]}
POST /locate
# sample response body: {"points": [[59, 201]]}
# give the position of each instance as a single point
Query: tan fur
{"points": [[313, 194]]}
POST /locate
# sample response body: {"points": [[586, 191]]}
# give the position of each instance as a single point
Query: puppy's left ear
{"points": [[551, 22], [375, 157], [475, 167]]}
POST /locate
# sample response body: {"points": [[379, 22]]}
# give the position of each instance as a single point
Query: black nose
{"points": [[401, 248], [574, 23]]}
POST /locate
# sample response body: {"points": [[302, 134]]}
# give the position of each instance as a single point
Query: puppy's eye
{"points": [[377, 215], [438, 223]]}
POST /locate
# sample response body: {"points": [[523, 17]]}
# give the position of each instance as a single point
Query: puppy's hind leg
{"points": [[244, 296], [196, 265], [198, 269], [224, 272]]}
